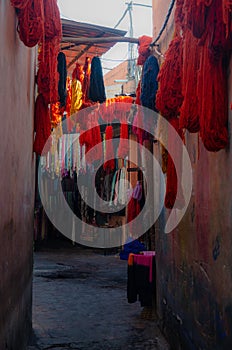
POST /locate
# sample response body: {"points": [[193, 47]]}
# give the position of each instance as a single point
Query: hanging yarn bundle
{"points": [[179, 14], [123, 148], [42, 126], [169, 96], [204, 72], [149, 83], [143, 54], [138, 93], [106, 110], [76, 90], [112, 109], [86, 80], [52, 22], [212, 89], [137, 127], [78, 73], [30, 21], [189, 112], [69, 96], [122, 107], [19, 4], [39, 23], [62, 70], [193, 81], [212, 82], [197, 15], [174, 193], [76, 101], [56, 114], [169, 99], [171, 184], [86, 139], [162, 136], [96, 91], [143, 49], [133, 210], [109, 152], [216, 30], [227, 13], [48, 76], [91, 138]]}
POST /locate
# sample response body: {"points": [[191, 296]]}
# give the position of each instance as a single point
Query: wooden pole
{"points": [[85, 40]]}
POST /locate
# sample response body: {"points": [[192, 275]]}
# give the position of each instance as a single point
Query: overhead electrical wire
{"points": [[121, 19], [164, 24]]}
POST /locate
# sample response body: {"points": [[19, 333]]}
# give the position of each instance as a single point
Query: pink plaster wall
{"points": [[160, 9], [17, 68], [194, 262], [118, 73]]}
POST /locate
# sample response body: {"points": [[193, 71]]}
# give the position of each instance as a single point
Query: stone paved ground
{"points": [[80, 303]]}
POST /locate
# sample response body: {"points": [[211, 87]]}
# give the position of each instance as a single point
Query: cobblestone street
{"points": [[80, 302]]}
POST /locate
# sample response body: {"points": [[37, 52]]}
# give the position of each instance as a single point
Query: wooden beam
{"points": [[87, 47], [85, 40]]}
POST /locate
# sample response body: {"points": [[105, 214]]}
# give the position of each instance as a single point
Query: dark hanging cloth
{"points": [[62, 69], [97, 87], [149, 85], [139, 286]]}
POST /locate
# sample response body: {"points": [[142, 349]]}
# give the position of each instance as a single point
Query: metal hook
{"points": [[157, 51]]}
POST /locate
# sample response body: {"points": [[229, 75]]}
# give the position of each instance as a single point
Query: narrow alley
{"points": [[116, 181], [80, 302]]}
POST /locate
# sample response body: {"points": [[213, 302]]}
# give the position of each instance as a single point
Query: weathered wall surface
{"points": [[17, 65], [194, 262]]}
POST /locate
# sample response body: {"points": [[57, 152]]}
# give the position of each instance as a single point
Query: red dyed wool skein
{"points": [[19, 4], [169, 96], [189, 112], [110, 163], [174, 193], [31, 23], [123, 148], [42, 126]]}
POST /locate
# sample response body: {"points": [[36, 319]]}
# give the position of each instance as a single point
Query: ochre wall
{"points": [[17, 64], [194, 262]]}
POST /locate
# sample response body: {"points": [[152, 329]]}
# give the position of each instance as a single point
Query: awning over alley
{"points": [[75, 51]]}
